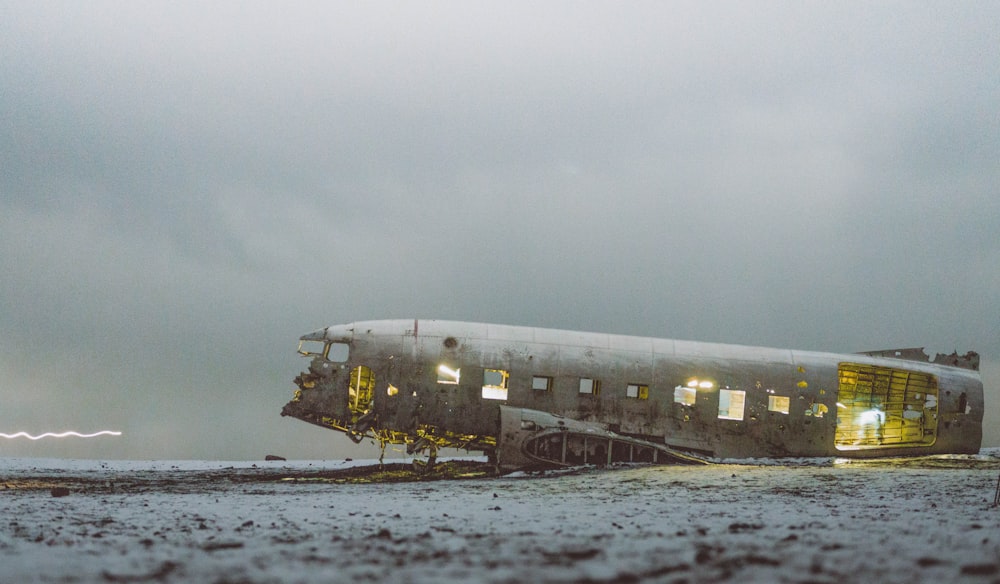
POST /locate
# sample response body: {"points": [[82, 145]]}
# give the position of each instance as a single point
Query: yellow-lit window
{"points": [[685, 395], [637, 391], [447, 375], [590, 386], [541, 383], [731, 404], [778, 403], [495, 384]]}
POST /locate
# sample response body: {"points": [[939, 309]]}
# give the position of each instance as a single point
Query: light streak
{"points": [[60, 435]]}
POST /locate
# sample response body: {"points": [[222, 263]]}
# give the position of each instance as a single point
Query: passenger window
{"points": [[590, 386], [447, 375], [685, 395], [637, 391], [495, 384], [731, 404], [541, 383], [778, 403]]}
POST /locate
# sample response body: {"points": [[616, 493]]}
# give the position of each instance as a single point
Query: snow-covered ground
{"points": [[923, 520]]}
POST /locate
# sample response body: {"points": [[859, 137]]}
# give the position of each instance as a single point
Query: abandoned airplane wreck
{"points": [[534, 397]]}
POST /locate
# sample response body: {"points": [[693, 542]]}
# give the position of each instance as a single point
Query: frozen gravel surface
{"points": [[921, 520]]}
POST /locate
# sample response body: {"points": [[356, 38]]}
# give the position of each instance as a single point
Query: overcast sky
{"points": [[185, 188]]}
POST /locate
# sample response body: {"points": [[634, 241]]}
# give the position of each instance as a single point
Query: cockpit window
{"points": [[312, 348], [338, 352]]}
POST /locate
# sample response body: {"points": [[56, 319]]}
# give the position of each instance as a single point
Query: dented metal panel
{"points": [[432, 384]]}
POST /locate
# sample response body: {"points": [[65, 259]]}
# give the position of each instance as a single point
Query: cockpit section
{"points": [[329, 397], [351, 390]]}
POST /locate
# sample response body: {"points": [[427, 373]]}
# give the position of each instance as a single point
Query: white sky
{"points": [[185, 188]]}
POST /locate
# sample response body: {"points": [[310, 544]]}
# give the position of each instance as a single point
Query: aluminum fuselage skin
{"points": [[406, 355]]}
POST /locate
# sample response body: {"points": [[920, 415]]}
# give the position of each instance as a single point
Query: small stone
{"points": [[60, 491], [981, 569]]}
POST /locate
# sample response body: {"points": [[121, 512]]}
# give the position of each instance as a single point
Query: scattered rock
{"points": [[221, 545], [981, 569], [274, 457], [759, 560], [582, 554], [706, 554], [159, 574], [60, 491], [569, 556]]}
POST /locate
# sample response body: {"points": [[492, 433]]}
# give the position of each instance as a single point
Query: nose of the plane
{"points": [[316, 335]]}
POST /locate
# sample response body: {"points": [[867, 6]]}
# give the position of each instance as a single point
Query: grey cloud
{"points": [[186, 188]]}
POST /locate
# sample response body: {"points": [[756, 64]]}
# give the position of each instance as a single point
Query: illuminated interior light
{"points": [[685, 395], [705, 385], [731, 404], [840, 405], [447, 374], [693, 383], [60, 435], [778, 403], [872, 417], [802, 384]]}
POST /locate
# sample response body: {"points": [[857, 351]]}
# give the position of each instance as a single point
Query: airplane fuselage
{"points": [[486, 387]]}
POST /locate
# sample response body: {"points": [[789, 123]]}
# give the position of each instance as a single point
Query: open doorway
{"points": [[879, 407]]}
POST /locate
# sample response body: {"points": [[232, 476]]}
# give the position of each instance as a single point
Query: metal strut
{"points": [[416, 448]]}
